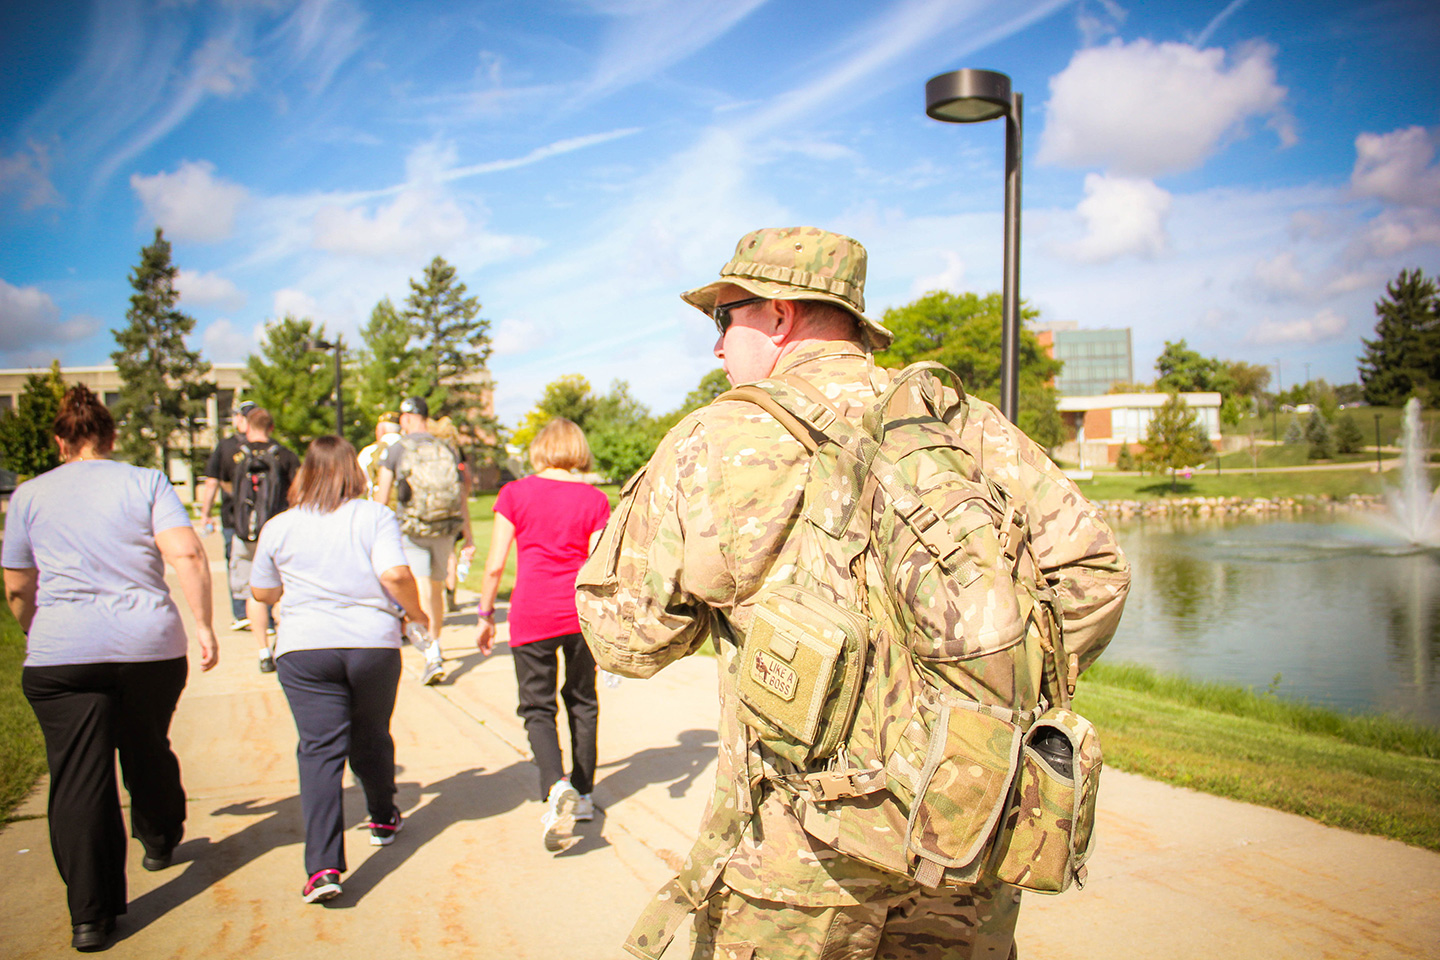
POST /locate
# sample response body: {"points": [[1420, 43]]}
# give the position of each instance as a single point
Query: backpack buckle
{"points": [[843, 784]]}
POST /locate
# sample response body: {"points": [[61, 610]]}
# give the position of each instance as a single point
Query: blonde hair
{"points": [[560, 444]]}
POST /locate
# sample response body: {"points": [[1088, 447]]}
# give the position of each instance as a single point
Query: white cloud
{"points": [[191, 203], [295, 303], [1098, 21], [29, 317], [952, 277], [1325, 325], [1397, 167], [208, 288], [1281, 276], [1143, 109], [224, 343], [1395, 232], [416, 224], [513, 336], [27, 173], [218, 68], [1122, 216]]}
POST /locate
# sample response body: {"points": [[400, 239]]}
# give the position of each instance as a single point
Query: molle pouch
{"points": [[961, 792], [1049, 827], [800, 669]]}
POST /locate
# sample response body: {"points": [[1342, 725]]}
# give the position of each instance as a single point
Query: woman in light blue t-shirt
{"points": [[86, 546], [335, 565]]}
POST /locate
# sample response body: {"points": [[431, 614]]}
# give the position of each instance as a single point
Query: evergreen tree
{"points": [[389, 367], [1175, 439], [1348, 436], [1404, 358], [1317, 434], [962, 331], [1125, 459], [453, 341], [163, 390], [27, 433], [296, 383], [1294, 432]]}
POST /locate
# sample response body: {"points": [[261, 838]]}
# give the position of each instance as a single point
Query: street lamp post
{"points": [[338, 347], [974, 96]]}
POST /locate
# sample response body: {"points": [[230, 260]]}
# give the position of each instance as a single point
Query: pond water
{"points": [[1345, 615]]}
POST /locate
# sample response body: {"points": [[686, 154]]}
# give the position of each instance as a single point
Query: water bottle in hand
{"points": [[462, 569], [418, 636], [611, 680]]}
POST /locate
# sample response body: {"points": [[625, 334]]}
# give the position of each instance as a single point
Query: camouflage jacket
{"points": [[708, 523]]}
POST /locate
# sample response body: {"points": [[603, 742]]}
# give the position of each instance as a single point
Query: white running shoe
{"points": [[584, 808], [434, 673], [558, 821]]}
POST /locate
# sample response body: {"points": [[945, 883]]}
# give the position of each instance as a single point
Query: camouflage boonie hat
{"points": [[798, 263]]}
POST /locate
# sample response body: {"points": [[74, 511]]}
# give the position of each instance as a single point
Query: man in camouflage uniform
{"points": [[710, 521]]}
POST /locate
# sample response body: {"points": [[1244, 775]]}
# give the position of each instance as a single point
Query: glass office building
{"points": [[1094, 360]]}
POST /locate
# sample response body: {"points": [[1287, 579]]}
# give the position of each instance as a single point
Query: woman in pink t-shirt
{"points": [[552, 518]]}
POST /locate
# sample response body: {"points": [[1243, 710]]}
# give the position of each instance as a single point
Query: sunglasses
{"points": [[721, 311]]}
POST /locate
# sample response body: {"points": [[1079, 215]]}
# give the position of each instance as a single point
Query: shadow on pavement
{"points": [[682, 763]]}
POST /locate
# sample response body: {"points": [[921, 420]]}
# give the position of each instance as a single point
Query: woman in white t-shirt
{"points": [[85, 551], [335, 565]]}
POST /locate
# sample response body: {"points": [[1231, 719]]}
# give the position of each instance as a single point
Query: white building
{"points": [[1099, 426]]}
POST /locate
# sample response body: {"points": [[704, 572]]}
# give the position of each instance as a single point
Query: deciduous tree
{"points": [[163, 386], [1175, 439], [962, 331], [27, 434]]}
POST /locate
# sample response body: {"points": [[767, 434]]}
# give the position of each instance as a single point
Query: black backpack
{"points": [[259, 491]]}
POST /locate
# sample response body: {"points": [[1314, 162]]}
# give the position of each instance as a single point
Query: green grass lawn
{"points": [[1368, 774], [22, 750], [1239, 483]]}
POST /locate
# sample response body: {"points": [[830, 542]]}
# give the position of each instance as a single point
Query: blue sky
{"points": [[1245, 175]]}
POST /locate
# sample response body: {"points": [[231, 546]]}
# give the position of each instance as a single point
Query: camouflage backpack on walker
{"points": [[910, 682]]}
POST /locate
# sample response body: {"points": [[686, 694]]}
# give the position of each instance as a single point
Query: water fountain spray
{"points": [[1414, 508]]}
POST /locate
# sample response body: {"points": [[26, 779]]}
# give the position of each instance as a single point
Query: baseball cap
{"points": [[244, 407], [798, 263], [389, 416], [415, 405]]}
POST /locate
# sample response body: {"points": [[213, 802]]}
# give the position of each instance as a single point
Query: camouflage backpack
{"points": [[908, 689], [429, 489]]}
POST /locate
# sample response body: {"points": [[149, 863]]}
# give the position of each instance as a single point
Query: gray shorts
{"points": [[428, 557], [242, 558]]}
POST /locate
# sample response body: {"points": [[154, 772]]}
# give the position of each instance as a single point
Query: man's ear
{"points": [[787, 320]]}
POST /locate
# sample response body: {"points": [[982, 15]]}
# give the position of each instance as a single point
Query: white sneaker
{"points": [[434, 673], [241, 624], [584, 808], [558, 821]]}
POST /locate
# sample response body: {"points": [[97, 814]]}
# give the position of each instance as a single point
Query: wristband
{"points": [[485, 614]]}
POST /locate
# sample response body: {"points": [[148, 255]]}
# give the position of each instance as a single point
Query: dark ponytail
{"points": [[83, 419]]}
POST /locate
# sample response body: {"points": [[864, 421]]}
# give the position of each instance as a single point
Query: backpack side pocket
{"points": [[1049, 828]]}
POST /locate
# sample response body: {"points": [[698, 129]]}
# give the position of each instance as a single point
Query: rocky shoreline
{"points": [[1240, 506]]}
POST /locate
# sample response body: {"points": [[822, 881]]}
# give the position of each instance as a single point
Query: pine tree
{"points": [[1294, 432], [1404, 358], [1348, 436], [296, 383], [389, 368], [27, 433], [454, 345], [163, 390], [1317, 434], [1175, 439]]}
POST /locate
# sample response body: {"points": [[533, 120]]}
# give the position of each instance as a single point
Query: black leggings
{"points": [[88, 711], [536, 667]]}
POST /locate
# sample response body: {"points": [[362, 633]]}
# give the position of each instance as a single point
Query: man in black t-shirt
{"points": [[220, 469], [258, 429]]}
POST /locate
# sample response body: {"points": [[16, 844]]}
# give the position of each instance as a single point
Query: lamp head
{"points": [[968, 96]]}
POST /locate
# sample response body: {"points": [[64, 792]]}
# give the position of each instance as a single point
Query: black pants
{"points": [[536, 666], [88, 711], [342, 701]]}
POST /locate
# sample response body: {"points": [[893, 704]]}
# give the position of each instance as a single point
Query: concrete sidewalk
{"points": [[1176, 874]]}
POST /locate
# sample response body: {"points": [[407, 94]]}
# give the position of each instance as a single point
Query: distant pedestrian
{"points": [[260, 484], [387, 432], [335, 565], [218, 467], [434, 498], [552, 518], [85, 551]]}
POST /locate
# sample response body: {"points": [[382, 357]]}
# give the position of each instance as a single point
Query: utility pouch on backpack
{"points": [[1049, 828], [800, 671], [957, 787]]}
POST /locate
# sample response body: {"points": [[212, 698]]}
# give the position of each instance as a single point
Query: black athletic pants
{"points": [[342, 701], [536, 667], [88, 711]]}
